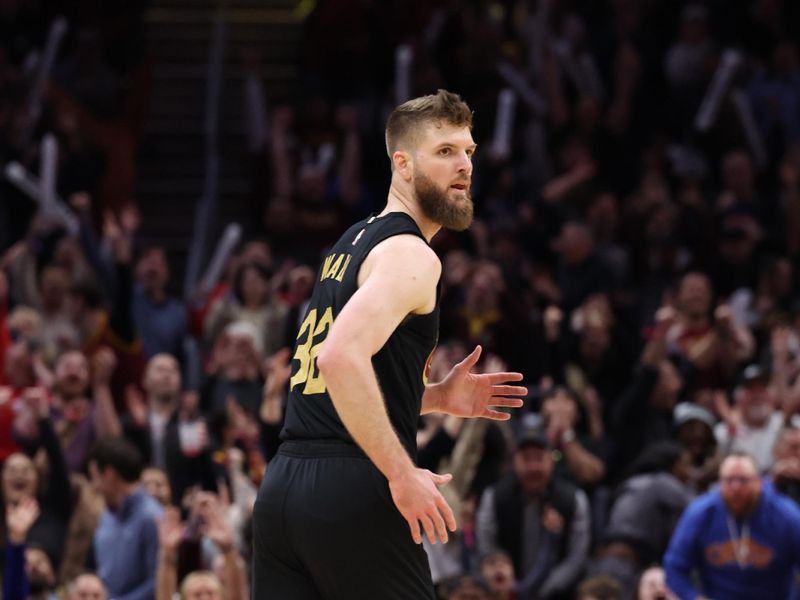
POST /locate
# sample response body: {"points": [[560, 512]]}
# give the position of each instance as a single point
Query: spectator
{"points": [[299, 283], [202, 585], [775, 92], [713, 347], [785, 472], [581, 270], [29, 573], [541, 521], [81, 421], [600, 587], [644, 412], [40, 574], [156, 483], [644, 513], [128, 570], [466, 587], [687, 61], [22, 480], [114, 328], [87, 587], [694, 430], [207, 519], [18, 521], [234, 370], [253, 302], [498, 572], [58, 333], [742, 539], [753, 424], [579, 462], [653, 586], [161, 320], [169, 428], [162, 386]]}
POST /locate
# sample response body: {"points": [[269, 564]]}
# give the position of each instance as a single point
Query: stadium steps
{"points": [[171, 163]]}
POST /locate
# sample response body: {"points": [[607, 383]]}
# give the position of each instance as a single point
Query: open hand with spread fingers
{"points": [[463, 393]]}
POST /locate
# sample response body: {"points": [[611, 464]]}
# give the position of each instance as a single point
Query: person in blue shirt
{"points": [[161, 319], [126, 539], [743, 539]]}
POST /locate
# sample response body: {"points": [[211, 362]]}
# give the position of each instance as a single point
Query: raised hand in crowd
{"points": [[107, 422], [276, 371], [136, 406], [104, 362], [212, 512], [561, 415], [20, 517], [210, 509], [784, 370], [170, 533], [35, 405], [728, 414], [118, 238]]}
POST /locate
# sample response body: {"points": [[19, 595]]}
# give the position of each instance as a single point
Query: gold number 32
{"points": [[308, 351]]}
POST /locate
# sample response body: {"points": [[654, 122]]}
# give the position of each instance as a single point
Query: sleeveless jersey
{"points": [[401, 365]]}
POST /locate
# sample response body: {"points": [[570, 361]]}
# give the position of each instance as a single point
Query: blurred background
{"points": [[173, 170]]}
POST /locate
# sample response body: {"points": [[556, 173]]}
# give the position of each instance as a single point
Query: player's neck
{"points": [[402, 200]]}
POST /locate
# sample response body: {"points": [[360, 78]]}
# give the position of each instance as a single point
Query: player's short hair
{"points": [[408, 119]]}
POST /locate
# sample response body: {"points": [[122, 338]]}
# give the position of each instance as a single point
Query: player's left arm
{"points": [[463, 393]]}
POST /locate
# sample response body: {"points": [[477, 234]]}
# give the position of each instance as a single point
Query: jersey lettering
{"points": [[307, 351], [334, 266]]}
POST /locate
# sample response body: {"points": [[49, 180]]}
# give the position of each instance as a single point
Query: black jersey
{"points": [[400, 365]]}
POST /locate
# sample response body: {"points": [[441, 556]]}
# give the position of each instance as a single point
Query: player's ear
{"points": [[403, 164]]}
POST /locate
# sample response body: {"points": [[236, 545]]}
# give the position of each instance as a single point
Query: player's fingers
{"points": [[495, 378], [438, 521], [503, 401], [471, 360], [446, 512], [429, 527], [495, 415], [509, 390], [441, 479], [413, 524]]}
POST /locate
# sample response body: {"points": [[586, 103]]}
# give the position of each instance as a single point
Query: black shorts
{"points": [[325, 528]]}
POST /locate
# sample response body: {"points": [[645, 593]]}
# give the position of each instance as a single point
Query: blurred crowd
{"points": [[641, 271]]}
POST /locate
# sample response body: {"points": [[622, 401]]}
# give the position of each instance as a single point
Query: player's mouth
{"points": [[461, 187]]}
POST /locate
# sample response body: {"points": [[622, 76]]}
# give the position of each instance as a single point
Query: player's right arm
{"points": [[398, 278]]}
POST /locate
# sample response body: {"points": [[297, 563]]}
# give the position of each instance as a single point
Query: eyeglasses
{"points": [[740, 479]]}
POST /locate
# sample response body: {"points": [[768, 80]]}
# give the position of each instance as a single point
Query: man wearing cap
{"points": [[743, 539], [541, 521], [694, 430], [754, 424]]}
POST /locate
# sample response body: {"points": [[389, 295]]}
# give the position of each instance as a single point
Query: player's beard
{"points": [[439, 207]]}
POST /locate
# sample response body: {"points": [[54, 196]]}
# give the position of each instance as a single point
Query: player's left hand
{"points": [[467, 394]]}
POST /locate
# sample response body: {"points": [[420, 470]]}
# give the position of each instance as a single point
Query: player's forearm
{"points": [[353, 388]]}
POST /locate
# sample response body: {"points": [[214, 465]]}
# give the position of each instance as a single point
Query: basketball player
{"points": [[342, 509]]}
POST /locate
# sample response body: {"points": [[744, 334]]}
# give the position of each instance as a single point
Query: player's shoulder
{"points": [[407, 250]]}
